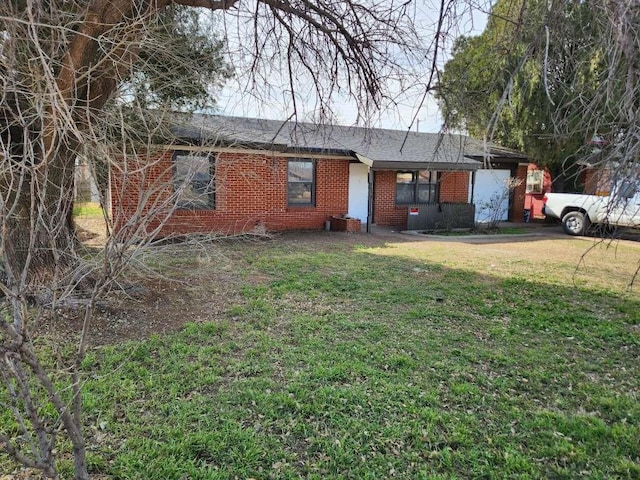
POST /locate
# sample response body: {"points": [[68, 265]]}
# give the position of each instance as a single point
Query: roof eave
{"points": [[511, 158], [439, 166], [338, 152]]}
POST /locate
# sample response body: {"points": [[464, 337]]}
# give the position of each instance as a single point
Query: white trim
{"points": [[365, 160]]}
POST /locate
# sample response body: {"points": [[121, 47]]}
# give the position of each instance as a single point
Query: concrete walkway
{"points": [[534, 229]]}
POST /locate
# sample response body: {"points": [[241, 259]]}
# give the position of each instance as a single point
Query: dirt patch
{"points": [[91, 230], [188, 288], [193, 285], [150, 306]]}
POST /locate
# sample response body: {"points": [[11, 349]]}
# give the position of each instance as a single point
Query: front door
{"points": [[358, 191]]}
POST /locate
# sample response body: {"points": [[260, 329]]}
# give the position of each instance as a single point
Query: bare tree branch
{"points": [[72, 73]]}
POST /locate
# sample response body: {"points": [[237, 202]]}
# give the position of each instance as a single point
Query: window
{"points": [[535, 179], [416, 187], [193, 180], [301, 182]]}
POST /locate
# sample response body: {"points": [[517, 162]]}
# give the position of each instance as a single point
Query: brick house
{"points": [[232, 175]]}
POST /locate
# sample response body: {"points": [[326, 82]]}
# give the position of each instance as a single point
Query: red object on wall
{"points": [[533, 199]]}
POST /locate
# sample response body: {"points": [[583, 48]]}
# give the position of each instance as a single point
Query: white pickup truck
{"points": [[577, 212]]}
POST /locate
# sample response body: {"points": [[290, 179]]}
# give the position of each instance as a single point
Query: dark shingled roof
{"points": [[378, 148]]}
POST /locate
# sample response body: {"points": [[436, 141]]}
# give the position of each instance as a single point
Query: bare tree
{"points": [[68, 70], [64, 62]]}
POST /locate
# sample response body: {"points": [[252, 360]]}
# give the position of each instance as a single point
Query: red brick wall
{"points": [[588, 181], [139, 185], [385, 211], [517, 208], [251, 193], [454, 188]]}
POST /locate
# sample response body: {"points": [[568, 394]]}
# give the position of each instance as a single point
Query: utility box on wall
{"points": [[441, 216]]}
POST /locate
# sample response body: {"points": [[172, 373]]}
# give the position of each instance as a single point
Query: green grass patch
{"points": [[87, 210], [344, 363]]}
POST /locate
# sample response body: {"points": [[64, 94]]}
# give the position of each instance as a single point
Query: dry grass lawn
{"points": [[559, 259]]}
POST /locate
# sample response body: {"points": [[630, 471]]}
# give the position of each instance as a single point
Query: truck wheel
{"points": [[575, 223]]}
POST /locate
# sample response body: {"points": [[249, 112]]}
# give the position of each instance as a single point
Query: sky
{"points": [[271, 100]]}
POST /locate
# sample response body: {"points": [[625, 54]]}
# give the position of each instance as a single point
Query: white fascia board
{"points": [[363, 159]]}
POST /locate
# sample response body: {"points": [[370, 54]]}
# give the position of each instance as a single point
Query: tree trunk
{"points": [[46, 113], [44, 140], [38, 237]]}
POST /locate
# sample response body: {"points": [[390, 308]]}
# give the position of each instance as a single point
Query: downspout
{"points": [[473, 185], [473, 191], [369, 198]]}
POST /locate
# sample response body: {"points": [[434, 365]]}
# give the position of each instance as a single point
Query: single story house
{"points": [[232, 175]]}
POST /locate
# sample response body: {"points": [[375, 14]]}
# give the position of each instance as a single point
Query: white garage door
{"points": [[491, 195]]}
